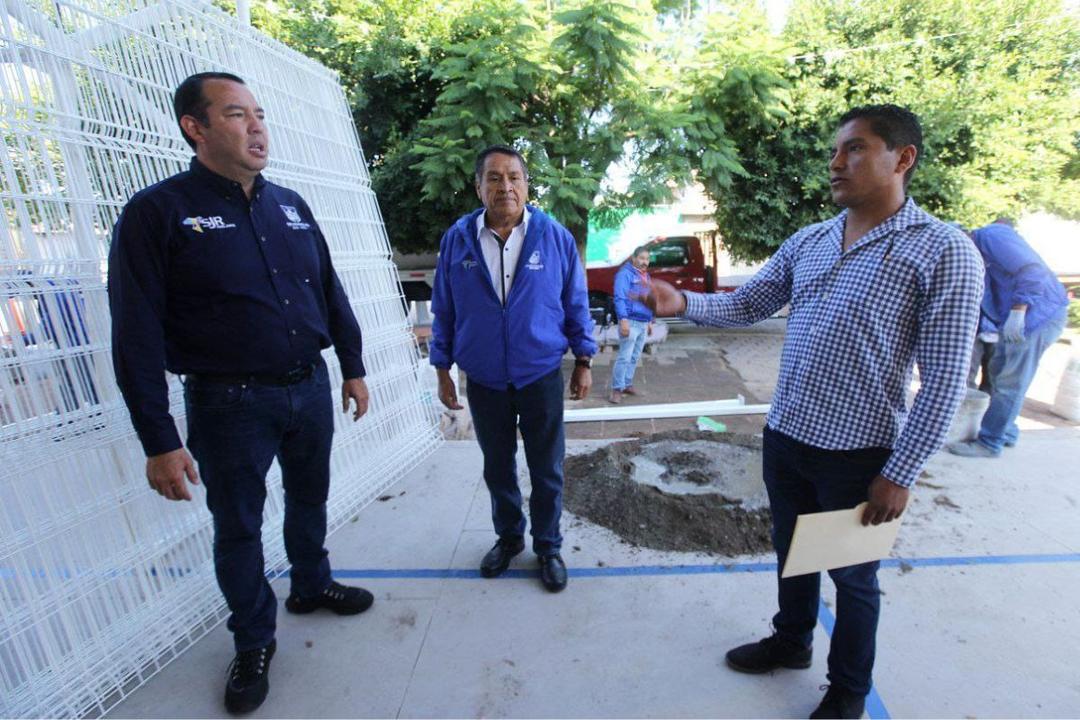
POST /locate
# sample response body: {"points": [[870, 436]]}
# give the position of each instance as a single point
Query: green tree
{"points": [[662, 93], [570, 87], [994, 83], [385, 53]]}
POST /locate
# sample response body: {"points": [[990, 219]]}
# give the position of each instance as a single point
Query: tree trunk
{"points": [[580, 231]]}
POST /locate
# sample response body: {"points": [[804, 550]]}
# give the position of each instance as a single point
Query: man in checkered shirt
{"points": [[879, 287]]}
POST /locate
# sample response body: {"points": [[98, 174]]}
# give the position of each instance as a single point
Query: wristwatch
{"points": [[583, 362]]}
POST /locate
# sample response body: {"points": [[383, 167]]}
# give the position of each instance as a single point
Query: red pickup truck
{"points": [[686, 261]]}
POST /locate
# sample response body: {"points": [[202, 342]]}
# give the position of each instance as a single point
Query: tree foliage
{"points": [[616, 103], [994, 83]]}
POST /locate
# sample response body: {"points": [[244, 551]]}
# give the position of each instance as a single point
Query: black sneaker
{"points": [[769, 654], [553, 572], [247, 683], [498, 558], [342, 599], [839, 702]]}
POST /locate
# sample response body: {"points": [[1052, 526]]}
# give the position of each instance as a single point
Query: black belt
{"points": [[294, 376]]}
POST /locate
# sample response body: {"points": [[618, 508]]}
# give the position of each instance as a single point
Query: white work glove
{"points": [[1013, 329]]}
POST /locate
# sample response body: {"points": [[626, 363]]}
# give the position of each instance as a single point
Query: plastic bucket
{"points": [[1067, 401], [965, 424]]}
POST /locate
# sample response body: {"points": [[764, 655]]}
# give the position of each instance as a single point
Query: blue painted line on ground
{"points": [[875, 706], [1033, 559], [580, 572], [722, 569]]}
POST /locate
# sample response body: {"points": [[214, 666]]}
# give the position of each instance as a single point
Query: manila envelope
{"points": [[828, 540]]}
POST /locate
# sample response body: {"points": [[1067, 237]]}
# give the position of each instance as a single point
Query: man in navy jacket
{"points": [[509, 299], [222, 277]]}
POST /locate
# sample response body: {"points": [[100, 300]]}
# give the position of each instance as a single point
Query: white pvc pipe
{"points": [[735, 406]]}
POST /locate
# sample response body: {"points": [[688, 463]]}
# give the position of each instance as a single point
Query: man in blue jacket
{"points": [[222, 277], [635, 321], [1026, 302], [509, 299]]}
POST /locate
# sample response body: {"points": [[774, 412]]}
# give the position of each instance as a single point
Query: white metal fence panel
{"points": [[102, 581]]}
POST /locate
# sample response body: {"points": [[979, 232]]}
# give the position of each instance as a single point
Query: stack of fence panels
{"points": [[102, 582]]}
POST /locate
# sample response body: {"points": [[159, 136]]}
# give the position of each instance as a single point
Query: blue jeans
{"points": [[235, 431], [1012, 368], [538, 409], [805, 479], [622, 374]]}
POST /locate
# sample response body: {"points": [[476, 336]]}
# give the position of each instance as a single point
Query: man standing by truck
{"points": [[635, 321]]}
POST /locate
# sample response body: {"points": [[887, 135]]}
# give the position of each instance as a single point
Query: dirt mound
{"points": [[679, 490]]}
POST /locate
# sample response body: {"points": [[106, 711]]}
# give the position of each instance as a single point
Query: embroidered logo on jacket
{"points": [[468, 264], [295, 221], [534, 261], [215, 222]]}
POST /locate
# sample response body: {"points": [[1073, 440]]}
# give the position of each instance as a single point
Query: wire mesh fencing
{"points": [[101, 581]]}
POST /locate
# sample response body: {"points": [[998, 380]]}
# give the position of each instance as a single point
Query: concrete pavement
{"points": [[979, 609]]}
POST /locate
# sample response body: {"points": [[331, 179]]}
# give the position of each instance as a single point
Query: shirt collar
{"points": [[909, 215], [481, 219], [229, 188]]}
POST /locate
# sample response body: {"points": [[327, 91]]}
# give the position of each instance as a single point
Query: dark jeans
{"points": [[538, 409], [804, 479], [235, 430]]}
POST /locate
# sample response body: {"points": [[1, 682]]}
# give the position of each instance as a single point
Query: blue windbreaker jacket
{"points": [[629, 284], [547, 308], [1016, 275]]}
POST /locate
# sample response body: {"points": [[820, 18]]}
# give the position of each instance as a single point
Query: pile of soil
{"points": [[680, 490]]}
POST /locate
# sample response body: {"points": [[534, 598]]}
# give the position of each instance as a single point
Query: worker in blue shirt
{"points": [[1028, 305], [635, 322], [224, 278], [509, 299], [872, 291]]}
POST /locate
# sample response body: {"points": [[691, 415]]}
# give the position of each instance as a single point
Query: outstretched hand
{"points": [[663, 299]]}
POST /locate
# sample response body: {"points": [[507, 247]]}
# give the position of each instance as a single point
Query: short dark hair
{"points": [[640, 249], [1005, 220], [501, 150], [188, 99], [896, 125]]}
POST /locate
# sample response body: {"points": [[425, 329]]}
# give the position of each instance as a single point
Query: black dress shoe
{"points": [[553, 572], [769, 654], [341, 599], [247, 682], [841, 703], [498, 558]]}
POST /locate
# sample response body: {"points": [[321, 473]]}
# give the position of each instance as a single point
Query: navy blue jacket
{"points": [[203, 281], [631, 283], [547, 308]]}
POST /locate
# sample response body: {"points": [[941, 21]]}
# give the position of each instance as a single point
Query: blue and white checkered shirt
{"points": [[906, 292]]}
